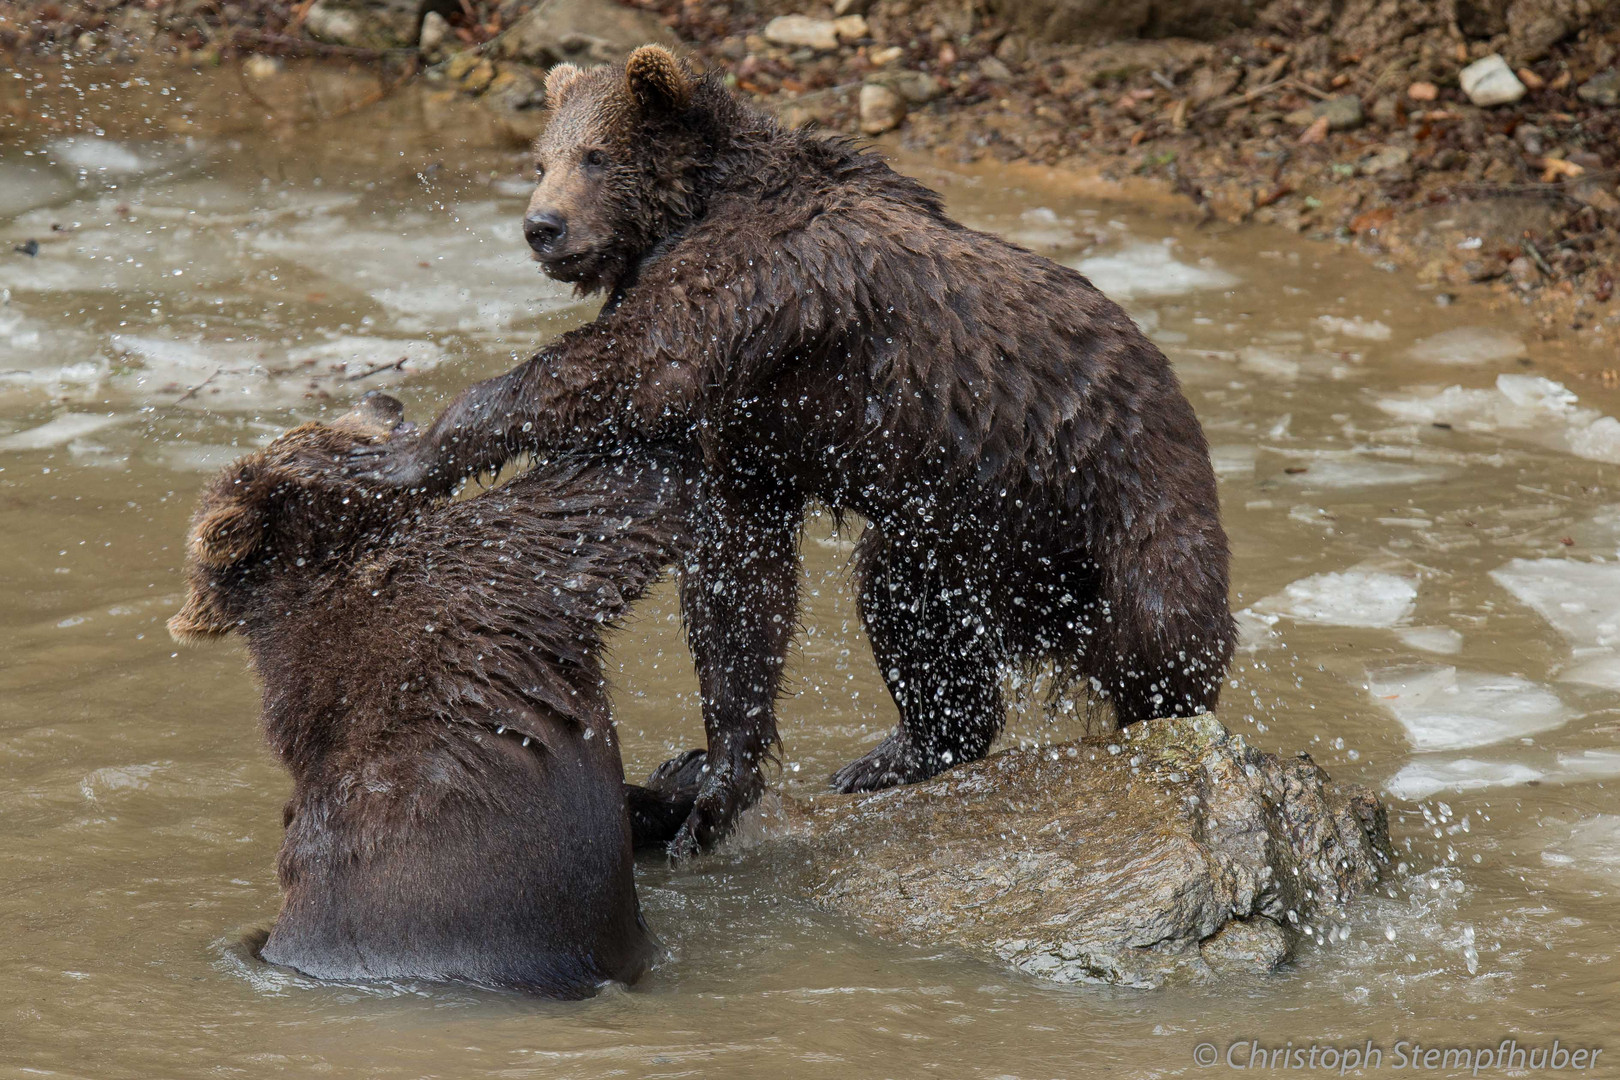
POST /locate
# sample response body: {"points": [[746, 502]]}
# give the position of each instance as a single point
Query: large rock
{"points": [[582, 32], [1178, 854]]}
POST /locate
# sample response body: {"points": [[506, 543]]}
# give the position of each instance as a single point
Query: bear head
{"points": [[621, 163], [279, 517]]}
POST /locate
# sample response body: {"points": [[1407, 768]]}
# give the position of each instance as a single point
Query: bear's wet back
{"points": [[432, 681]]}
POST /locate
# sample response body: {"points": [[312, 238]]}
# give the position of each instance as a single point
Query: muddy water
{"points": [[1427, 546]]}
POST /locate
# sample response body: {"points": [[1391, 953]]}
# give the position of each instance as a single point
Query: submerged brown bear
{"points": [[432, 680], [1034, 483]]}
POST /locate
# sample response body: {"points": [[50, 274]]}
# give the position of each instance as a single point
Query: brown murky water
{"points": [[1430, 579]]}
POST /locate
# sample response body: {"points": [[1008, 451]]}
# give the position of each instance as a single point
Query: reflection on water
{"points": [[1426, 566]]}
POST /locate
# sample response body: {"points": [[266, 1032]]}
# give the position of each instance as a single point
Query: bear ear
{"points": [[657, 80], [558, 81], [226, 536], [375, 414]]}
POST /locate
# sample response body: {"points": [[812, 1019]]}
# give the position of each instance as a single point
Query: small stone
{"points": [[259, 66], [1012, 49], [1423, 91], [801, 31], [917, 87], [851, 28], [887, 55], [1384, 159], [1490, 82], [995, 70], [472, 71], [1602, 89], [333, 24], [851, 7], [435, 31], [1524, 272], [1342, 113], [1386, 111], [882, 109]]}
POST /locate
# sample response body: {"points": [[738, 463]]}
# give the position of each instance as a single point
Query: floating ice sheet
{"points": [[63, 429], [1435, 639], [1442, 708], [1591, 845], [1527, 406], [1366, 329], [1582, 601], [1354, 472], [1468, 345], [1348, 598], [1421, 779], [1143, 269]]}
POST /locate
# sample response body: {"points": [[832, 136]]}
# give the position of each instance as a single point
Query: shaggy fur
{"points": [[432, 680], [1035, 485]]}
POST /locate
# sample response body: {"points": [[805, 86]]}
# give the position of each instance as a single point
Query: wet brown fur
{"points": [[432, 681], [1035, 484]]}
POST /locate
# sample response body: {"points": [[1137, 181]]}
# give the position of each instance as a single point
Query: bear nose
{"points": [[544, 230]]}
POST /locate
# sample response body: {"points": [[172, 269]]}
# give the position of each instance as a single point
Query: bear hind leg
{"points": [[940, 661]]}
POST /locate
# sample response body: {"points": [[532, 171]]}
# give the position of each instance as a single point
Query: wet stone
{"points": [[881, 109], [1602, 89], [1183, 855], [1491, 82], [1343, 113], [800, 31]]}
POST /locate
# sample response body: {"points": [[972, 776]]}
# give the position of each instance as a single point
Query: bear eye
{"points": [[539, 171], [595, 159]]}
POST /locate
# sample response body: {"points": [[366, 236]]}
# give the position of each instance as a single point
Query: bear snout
{"points": [[545, 230]]}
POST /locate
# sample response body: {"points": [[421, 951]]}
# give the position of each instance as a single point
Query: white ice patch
{"points": [[64, 429], [1350, 598], [1589, 765], [476, 277], [1582, 601], [1421, 779], [91, 155], [1232, 460], [1435, 639], [1591, 845], [1040, 229], [1528, 406], [1365, 329], [1150, 270], [1354, 472], [1468, 345], [1442, 708], [24, 186]]}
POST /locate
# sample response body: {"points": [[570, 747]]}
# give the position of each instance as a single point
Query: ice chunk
{"points": [[1582, 601], [89, 154], [1436, 639], [1143, 269], [1366, 329], [1591, 845], [1353, 472], [1528, 406], [1589, 765], [1349, 598], [1442, 708], [63, 429], [1468, 345], [24, 186], [1421, 779], [1232, 460]]}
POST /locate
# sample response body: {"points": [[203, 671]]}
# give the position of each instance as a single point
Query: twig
{"points": [[1534, 252], [189, 394], [1239, 99], [397, 365]]}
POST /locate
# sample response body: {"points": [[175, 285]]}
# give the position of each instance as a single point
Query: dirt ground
{"points": [[1338, 118]]}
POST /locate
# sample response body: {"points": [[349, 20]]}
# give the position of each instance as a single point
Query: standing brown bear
{"points": [[1035, 485], [432, 680]]}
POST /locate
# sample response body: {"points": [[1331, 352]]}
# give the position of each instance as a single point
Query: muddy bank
{"points": [[1172, 852], [1348, 121]]}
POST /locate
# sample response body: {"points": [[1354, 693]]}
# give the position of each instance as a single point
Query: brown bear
{"points": [[1035, 486], [432, 680]]}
